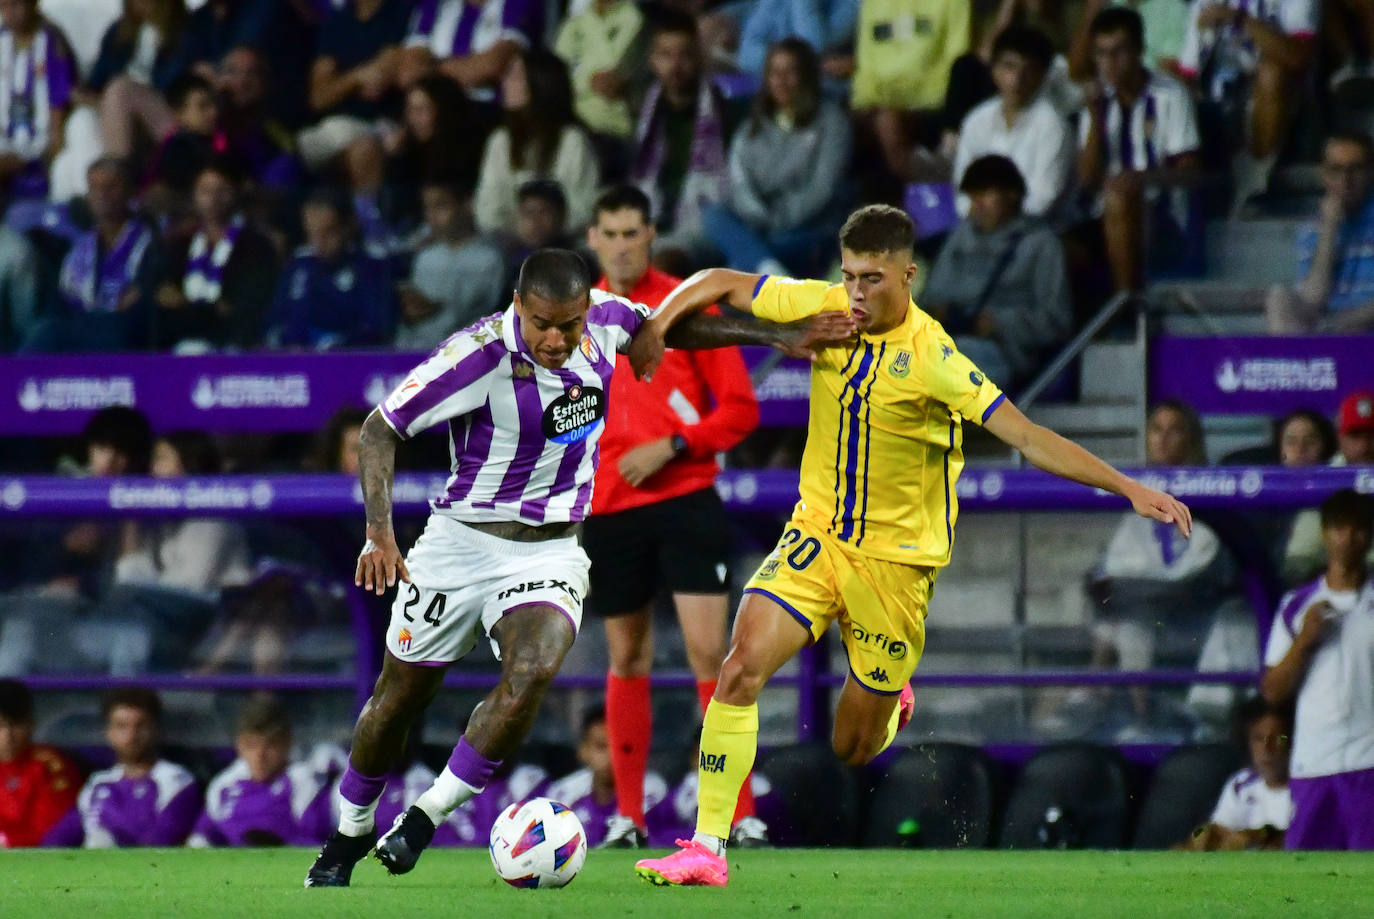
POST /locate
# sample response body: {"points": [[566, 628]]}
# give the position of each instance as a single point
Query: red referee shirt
{"points": [[705, 396], [36, 790]]}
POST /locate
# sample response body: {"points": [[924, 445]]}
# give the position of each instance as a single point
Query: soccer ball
{"points": [[538, 843]]}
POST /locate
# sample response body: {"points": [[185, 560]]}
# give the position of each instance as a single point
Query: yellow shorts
{"points": [[881, 605]]}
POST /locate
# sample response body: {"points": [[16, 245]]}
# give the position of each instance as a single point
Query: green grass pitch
{"points": [[823, 883]]}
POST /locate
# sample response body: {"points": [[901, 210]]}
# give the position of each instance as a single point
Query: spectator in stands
{"points": [[1149, 584], [657, 522], [1021, 123], [681, 138], [264, 798], [540, 214], [353, 80], [1165, 21], [1255, 805], [590, 791], [169, 576], [903, 53], [457, 276], [441, 139], [254, 136], [142, 800], [110, 275], [19, 303], [37, 82], [472, 44], [787, 173], [827, 26], [193, 143], [1138, 136], [332, 293], [539, 139], [1251, 59], [218, 26], [999, 285], [37, 783], [1321, 653], [1305, 555], [141, 56], [1304, 438], [1335, 292], [603, 48], [226, 271]]}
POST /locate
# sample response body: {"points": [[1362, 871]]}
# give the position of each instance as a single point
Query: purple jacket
{"points": [[293, 809], [113, 810]]}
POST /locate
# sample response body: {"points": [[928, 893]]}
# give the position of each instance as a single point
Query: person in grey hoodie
{"points": [[999, 285], [787, 168]]}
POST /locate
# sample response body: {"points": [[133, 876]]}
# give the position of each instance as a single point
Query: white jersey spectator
{"points": [[1159, 125], [1226, 51], [1248, 803]]}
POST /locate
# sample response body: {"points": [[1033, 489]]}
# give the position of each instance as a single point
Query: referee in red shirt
{"points": [[656, 519]]}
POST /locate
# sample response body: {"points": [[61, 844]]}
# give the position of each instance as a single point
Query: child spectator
{"points": [[353, 78], [38, 785], [787, 173], [140, 801], [601, 46], [1138, 135], [472, 44], [1335, 292], [681, 138], [264, 798], [999, 284], [227, 270], [456, 277], [590, 791], [332, 293], [194, 141], [539, 139], [141, 56], [1255, 805], [1020, 123], [37, 76]]}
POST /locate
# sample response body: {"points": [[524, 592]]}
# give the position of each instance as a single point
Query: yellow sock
{"points": [[892, 726], [729, 741]]}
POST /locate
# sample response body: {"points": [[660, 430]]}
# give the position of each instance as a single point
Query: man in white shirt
{"points": [[1255, 806], [1020, 122], [1139, 135], [1321, 651]]}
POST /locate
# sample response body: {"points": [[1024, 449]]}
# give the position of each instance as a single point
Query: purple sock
{"points": [[470, 766], [359, 789]]}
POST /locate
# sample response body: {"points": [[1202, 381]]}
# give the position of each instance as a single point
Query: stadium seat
{"points": [[934, 796], [1184, 791], [1068, 796], [815, 798]]}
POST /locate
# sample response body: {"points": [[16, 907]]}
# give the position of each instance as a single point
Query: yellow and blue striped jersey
{"points": [[884, 441]]}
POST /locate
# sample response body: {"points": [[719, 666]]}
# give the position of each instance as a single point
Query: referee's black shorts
{"points": [[682, 544]]}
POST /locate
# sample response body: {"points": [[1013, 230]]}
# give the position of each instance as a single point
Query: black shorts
{"points": [[682, 544]]}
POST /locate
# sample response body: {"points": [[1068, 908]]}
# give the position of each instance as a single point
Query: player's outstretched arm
{"points": [[1048, 451], [711, 285], [380, 561], [796, 339]]}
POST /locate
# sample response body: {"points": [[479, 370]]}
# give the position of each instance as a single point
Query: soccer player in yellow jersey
{"points": [[877, 511]]}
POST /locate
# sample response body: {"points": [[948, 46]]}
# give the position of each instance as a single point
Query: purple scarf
{"points": [[204, 280], [95, 284], [707, 179]]}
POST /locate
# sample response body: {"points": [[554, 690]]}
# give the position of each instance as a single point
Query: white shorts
{"points": [[462, 581]]}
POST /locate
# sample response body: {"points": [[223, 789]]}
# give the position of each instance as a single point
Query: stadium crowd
{"points": [[179, 177]]}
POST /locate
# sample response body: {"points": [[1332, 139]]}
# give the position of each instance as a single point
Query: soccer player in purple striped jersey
{"points": [[523, 393]]}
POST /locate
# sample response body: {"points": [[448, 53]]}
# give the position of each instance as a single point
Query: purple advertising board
{"points": [[1260, 375], [232, 393]]}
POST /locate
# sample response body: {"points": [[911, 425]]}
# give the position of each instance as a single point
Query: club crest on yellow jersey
{"points": [[901, 364]]}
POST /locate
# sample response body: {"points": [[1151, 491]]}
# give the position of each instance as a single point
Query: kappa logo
{"points": [[522, 370], [946, 352], [901, 364], [712, 762], [877, 675]]}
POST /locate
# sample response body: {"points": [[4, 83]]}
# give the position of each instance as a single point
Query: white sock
{"points": [[356, 819], [714, 843], [447, 792]]}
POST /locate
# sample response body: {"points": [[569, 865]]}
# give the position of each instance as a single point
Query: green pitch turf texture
{"points": [[827, 884]]}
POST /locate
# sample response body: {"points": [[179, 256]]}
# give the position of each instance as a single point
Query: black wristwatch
{"points": [[679, 445]]}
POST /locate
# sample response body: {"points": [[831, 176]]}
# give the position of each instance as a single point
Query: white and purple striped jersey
{"points": [[523, 438], [1246, 803]]}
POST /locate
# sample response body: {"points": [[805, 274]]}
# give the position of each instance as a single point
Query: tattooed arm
{"points": [[705, 330], [380, 562]]}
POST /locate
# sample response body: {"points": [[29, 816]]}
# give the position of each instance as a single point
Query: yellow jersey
{"points": [[884, 440]]}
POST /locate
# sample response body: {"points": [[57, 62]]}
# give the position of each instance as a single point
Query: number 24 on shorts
{"points": [[433, 612]]}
